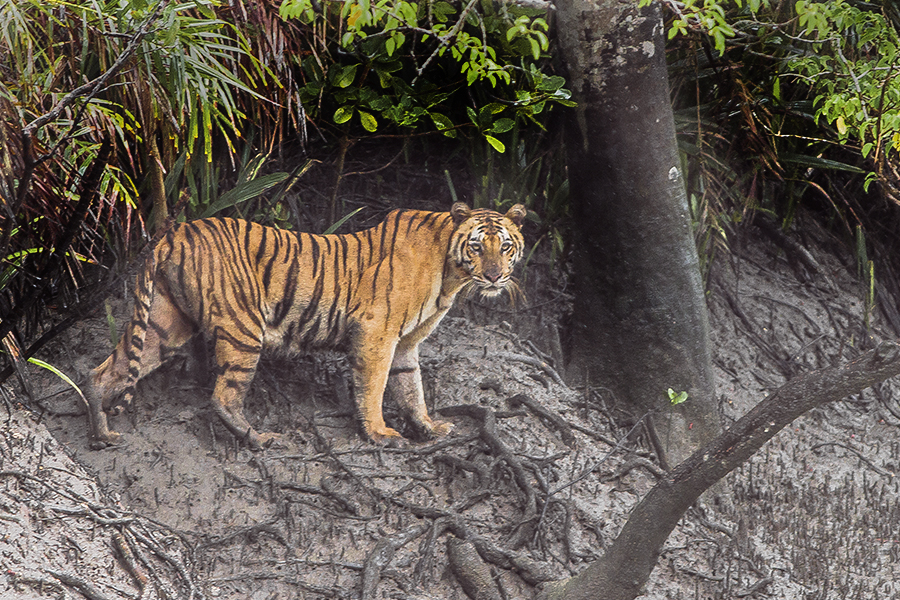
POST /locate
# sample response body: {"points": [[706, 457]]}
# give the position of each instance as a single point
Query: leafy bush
{"points": [[439, 65], [782, 102]]}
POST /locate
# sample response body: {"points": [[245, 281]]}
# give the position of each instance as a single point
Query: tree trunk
{"points": [[639, 325], [625, 567]]}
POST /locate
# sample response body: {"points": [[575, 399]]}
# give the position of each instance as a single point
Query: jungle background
{"points": [[323, 116]]}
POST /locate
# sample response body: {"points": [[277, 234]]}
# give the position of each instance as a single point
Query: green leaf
{"points": [[343, 114], [346, 76], [368, 121], [551, 84], [440, 121], [676, 398], [535, 48], [243, 192], [502, 125], [341, 221], [805, 160], [497, 144], [38, 362]]}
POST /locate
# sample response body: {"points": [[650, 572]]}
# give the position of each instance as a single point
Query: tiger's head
{"points": [[487, 245]]}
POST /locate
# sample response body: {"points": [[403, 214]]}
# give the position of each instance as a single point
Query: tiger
{"points": [[246, 288]]}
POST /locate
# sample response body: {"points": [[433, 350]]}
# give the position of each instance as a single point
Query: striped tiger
{"points": [[247, 288]]}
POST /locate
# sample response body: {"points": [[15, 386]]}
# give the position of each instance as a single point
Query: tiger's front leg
{"points": [[371, 358], [405, 384]]}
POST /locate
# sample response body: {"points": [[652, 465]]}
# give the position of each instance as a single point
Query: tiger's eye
{"points": [[475, 247]]}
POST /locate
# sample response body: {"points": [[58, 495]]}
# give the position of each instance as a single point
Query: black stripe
{"points": [[345, 250], [359, 244], [429, 220], [381, 247], [315, 251], [309, 336], [251, 347], [336, 293], [283, 307], [316, 296], [263, 246], [236, 368]]}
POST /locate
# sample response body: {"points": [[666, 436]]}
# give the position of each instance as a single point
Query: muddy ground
{"points": [[814, 515]]}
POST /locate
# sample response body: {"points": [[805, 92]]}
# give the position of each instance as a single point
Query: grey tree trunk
{"points": [[640, 324]]}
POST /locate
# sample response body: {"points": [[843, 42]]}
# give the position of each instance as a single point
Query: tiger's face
{"points": [[487, 245]]}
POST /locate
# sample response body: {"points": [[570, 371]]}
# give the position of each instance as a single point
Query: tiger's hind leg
{"points": [[236, 361], [167, 329]]}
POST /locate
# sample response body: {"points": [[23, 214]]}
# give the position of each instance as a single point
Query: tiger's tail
{"points": [[134, 337]]}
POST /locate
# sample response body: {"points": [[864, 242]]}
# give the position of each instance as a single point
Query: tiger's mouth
{"points": [[490, 289]]}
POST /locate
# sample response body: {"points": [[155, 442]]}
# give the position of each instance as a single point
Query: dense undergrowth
{"points": [[118, 115]]}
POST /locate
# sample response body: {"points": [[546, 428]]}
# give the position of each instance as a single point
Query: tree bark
{"points": [[639, 324], [625, 567]]}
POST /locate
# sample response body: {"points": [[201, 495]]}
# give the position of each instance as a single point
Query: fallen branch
{"points": [[531, 571], [543, 413], [859, 455], [250, 531], [471, 571], [345, 503], [85, 588], [533, 362], [633, 463], [126, 556], [491, 437], [382, 555]]}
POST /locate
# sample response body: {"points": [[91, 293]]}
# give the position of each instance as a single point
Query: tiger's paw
{"points": [[385, 436], [261, 441], [110, 438]]}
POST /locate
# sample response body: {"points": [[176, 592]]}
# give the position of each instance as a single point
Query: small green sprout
{"points": [[676, 398]]}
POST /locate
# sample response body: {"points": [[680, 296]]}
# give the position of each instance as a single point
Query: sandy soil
{"points": [[814, 515]]}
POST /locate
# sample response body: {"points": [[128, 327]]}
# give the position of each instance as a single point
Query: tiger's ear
{"points": [[517, 214], [460, 211]]}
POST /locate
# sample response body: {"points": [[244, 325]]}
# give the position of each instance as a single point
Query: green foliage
{"points": [[676, 398], [188, 70], [800, 101], [439, 66], [189, 84], [56, 371], [852, 66]]}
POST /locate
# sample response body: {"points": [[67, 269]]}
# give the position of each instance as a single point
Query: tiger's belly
{"points": [[306, 329]]}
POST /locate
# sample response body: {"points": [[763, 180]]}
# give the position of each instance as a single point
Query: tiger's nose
{"points": [[492, 273]]}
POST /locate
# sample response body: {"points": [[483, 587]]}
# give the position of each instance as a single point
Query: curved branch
{"points": [[628, 562]]}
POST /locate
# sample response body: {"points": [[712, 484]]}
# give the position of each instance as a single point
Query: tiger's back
{"points": [[376, 293]]}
